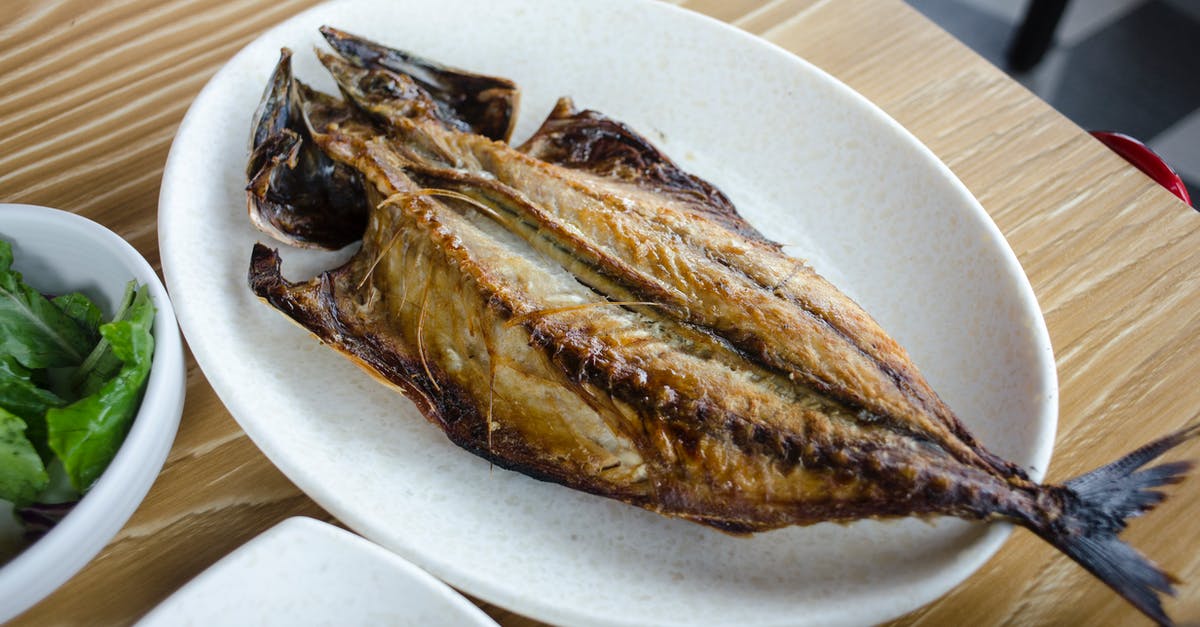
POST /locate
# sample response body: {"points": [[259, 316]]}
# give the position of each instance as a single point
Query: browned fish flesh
{"points": [[582, 310]]}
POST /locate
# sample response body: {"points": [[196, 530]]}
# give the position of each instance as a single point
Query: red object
{"points": [[1144, 159]]}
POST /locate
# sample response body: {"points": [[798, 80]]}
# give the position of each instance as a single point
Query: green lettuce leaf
{"points": [[21, 396], [83, 311], [32, 329], [102, 363], [22, 475], [87, 433]]}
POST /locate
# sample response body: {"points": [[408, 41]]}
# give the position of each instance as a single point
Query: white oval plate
{"points": [[807, 160], [306, 572]]}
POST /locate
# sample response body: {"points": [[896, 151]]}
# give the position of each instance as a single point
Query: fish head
{"points": [[484, 104], [392, 98]]}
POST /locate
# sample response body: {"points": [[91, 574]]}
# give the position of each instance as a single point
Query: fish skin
{"points": [[589, 141], [710, 412], [295, 193]]}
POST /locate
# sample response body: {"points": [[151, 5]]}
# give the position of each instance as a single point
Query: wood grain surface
{"points": [[91, 92]]}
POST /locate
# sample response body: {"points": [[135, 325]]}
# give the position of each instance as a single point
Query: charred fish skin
{"points": [[549, 260], [295, 193], [592, 142]]}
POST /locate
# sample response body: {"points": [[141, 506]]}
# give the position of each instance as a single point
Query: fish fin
{"points": [[487, 104], [314, 305], [592, 142], [271, 116], [1097, 507]]}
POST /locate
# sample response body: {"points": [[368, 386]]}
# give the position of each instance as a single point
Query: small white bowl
{"points": [[59, 252], [305, 572]]}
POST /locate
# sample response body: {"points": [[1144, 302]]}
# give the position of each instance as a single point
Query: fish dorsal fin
{"points": [[592, 142]]}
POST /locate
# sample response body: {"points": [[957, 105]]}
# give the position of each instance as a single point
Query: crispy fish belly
{"points": [[582, 310]]}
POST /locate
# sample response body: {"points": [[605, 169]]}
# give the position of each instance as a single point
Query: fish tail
{"points": [[1097, 506]]}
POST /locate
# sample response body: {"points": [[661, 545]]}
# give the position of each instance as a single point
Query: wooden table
{"points": [[91, 92]]}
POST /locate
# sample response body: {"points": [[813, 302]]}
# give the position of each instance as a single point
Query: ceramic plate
{"points": [[305, 572], [808, 161]]}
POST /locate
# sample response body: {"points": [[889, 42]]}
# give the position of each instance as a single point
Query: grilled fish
{"points": [[580, 309]]}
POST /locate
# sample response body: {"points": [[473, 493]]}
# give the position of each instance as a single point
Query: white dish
{"points": [[59, 252], [807, 160], [305, 572]]}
